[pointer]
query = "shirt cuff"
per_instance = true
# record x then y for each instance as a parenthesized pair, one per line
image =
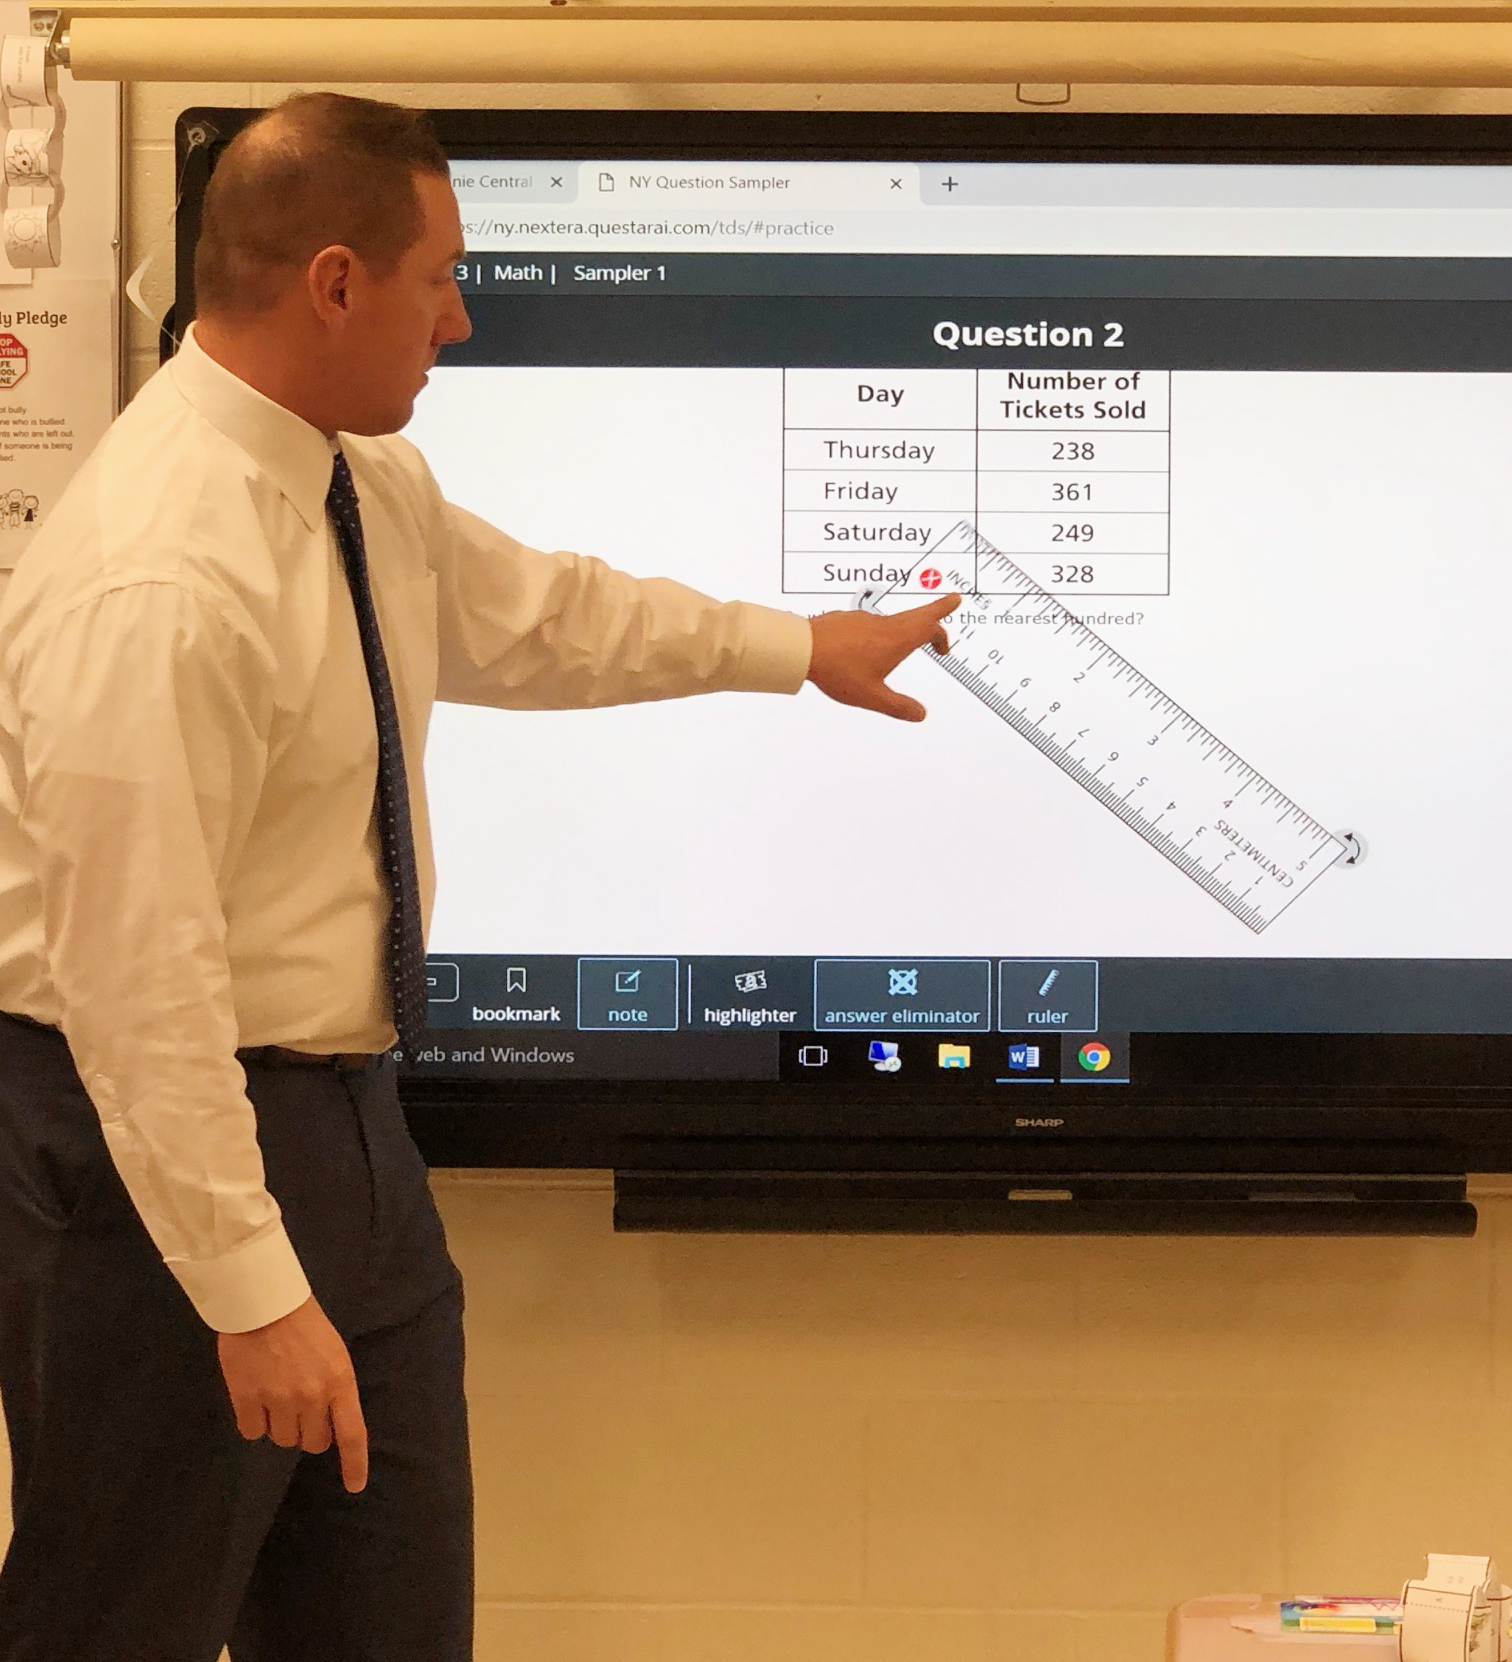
(248, 1287)
(778, 648)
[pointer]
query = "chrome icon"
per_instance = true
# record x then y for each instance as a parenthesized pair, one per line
(1094, 1057)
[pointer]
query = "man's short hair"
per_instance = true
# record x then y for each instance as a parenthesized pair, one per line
(321, 169)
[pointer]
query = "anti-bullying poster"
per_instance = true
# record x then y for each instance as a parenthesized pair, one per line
(59, 355)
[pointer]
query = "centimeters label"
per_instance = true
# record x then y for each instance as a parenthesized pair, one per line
(1124, 741)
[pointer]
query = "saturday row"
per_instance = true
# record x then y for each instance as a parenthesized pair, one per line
(1071, 531)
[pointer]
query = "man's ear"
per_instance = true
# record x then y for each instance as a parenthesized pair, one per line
(329, 281)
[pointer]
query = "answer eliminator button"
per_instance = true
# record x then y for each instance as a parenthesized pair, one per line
(902, 995)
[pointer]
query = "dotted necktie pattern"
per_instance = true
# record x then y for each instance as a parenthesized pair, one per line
(406, 940)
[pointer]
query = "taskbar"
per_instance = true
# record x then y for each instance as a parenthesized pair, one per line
(953, 1065)
(945, 1060)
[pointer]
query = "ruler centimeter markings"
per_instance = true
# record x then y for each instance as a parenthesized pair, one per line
(1112, 730)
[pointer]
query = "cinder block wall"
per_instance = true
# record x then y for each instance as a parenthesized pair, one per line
(875, 1450)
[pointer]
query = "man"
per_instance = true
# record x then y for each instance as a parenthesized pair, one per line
(230, 1331)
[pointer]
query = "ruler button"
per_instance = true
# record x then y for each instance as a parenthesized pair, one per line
(1047, 995)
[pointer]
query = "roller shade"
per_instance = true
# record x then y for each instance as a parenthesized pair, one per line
(1381, 47)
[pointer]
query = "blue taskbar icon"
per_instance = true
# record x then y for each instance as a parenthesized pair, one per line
(1031, 1061)
(883, 1055)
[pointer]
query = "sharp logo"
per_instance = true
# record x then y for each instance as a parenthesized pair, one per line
(1024, 1125)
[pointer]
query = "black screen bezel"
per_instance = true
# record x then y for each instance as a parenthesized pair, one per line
(1190, 1124)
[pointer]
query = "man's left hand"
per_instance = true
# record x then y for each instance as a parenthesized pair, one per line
(855, 652)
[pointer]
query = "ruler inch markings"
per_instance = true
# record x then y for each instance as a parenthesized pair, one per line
(1073, 672)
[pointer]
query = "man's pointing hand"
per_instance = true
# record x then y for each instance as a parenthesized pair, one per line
(855, 652)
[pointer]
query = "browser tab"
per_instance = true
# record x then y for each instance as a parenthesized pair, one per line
(515, 181)
(766, 186)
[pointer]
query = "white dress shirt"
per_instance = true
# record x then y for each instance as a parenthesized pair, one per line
(189, 861)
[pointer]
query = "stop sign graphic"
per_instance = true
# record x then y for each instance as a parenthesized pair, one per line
(929, 578)
(12, 361)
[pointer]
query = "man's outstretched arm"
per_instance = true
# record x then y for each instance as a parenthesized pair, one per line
(523, 629)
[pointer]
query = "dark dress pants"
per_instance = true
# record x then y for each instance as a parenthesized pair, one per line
(146, 1528)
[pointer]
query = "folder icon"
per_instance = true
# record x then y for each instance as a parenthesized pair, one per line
(955, 1056)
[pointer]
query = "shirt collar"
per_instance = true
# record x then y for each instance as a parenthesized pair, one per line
(293, 454)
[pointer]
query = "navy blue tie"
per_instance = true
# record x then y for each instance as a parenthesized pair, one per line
(396, 836)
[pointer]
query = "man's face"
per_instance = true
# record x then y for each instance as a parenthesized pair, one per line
(400, 322)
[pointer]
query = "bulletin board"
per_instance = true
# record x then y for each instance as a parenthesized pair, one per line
(59, 278)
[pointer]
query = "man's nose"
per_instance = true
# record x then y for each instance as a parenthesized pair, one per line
(456, 325)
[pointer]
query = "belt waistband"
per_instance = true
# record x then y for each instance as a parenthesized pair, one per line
(278, 1056)
(268, 1056)
(27, 1021)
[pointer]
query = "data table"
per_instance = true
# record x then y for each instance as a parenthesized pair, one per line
(1066, 471)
